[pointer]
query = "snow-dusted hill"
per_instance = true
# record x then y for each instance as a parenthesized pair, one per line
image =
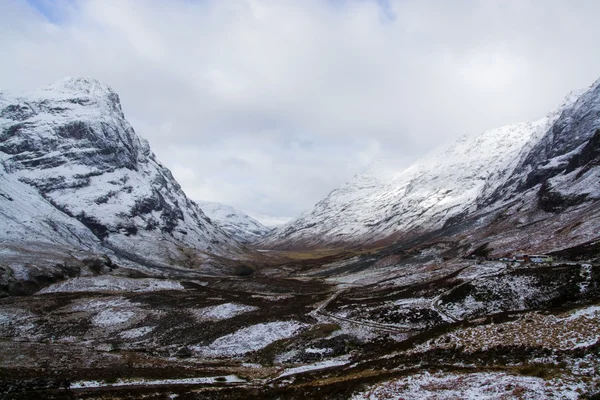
(453, 182)
(238, 224)
(73, 171)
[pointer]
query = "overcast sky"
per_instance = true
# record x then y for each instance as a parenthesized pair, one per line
(269, 105)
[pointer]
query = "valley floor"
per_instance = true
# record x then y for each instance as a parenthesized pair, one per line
(357, 327)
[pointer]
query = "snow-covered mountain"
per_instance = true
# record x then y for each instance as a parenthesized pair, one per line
(475, 173)
(73, 171)
(238, 224)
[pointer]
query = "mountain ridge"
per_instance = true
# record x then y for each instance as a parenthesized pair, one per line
(449, 184)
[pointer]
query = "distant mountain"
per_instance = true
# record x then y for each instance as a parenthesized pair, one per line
(73, 171)
(239, 225)
(555, 156)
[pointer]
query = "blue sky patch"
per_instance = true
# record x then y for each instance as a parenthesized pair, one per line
(50, 9)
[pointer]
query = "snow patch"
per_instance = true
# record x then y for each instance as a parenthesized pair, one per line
(222, 311)
(136, 332)
(112, 284)
(112, 317)
(251, 338)
(334, 362)
(318, 351)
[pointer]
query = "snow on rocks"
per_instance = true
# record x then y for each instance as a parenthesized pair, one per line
(251, 338)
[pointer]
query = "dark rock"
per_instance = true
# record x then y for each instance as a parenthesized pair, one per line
(554, 202)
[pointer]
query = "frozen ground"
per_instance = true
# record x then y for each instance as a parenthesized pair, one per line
(474, 386)
(108, 336)
(112, 284)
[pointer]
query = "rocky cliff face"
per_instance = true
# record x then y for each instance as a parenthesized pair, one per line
(77, 173)
(552, 158)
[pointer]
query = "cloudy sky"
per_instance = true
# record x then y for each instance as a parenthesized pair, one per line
(268, 105)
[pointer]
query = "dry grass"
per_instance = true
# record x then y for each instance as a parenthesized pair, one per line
(310, 254)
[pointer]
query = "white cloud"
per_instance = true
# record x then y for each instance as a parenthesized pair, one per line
(267, 105)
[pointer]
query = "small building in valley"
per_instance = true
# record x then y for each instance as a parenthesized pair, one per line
(537, 258)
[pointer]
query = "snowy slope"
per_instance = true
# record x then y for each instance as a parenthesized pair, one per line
(68, 153)
(449, 184)
(560, 151)
(25, 215)
(239, 225)
(423, 197)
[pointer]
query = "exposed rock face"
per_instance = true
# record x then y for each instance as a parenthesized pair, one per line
(68, 153)
(551, 162)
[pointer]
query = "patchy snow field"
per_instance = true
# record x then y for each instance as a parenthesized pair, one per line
(483, 385)
(109, 283)
(102, 304)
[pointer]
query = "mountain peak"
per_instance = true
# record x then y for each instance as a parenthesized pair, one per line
(82, 85)
(71, 147)
(238, 224)
(75, 94)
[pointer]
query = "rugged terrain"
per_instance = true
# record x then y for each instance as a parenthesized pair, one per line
(113, 284)
(375, 325)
